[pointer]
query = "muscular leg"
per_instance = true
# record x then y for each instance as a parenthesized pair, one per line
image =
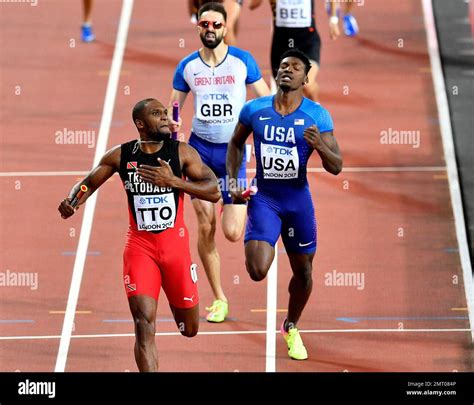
(233, 221)
(300, 286)
(311, 89)
(87, 10)
(143, 310)
(258, 258)
(233, 10)
(207, 247)
(187, 320)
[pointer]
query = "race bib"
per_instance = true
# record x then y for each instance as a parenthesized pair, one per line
(293, 13)
(155, 212)
(279, 162)
(215, 108)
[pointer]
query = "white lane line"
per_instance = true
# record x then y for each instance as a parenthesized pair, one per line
(450, 157)
(242, 332)
(107, 112)
(270, 352)
(380, 169)
(43, 174)
(368, 169)
(390, 169)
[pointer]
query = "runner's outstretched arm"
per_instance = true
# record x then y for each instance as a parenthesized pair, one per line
(107, 166)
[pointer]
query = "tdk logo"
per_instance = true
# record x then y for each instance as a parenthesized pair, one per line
(276, 150)
(216, 97)
(154, 200)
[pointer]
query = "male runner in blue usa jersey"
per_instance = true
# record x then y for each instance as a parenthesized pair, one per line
(286, 128)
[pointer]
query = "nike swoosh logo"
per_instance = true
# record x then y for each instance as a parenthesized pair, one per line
(264, 118)
(195, 74)
(305, 244)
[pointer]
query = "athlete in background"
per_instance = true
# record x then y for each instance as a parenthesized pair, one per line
(87, 34)
(217, 76)
(294, 27)
(232, 7)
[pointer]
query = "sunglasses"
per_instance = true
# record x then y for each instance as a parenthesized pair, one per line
(216, 24)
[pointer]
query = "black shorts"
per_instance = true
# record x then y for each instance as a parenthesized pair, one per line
(304, 39)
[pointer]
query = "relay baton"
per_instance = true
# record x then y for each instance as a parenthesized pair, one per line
(174, 135)
(79, 195)
(252, 190)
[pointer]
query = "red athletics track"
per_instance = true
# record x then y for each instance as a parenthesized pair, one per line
(393, 227)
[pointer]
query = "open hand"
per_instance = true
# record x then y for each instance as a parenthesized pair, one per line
(161, 175)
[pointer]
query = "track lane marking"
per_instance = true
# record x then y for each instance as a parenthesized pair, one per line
(104, 130)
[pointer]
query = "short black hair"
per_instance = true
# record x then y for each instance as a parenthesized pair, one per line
(213, 6)
(296, 53)
(137, 113)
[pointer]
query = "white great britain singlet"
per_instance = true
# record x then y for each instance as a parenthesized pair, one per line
(219, 92)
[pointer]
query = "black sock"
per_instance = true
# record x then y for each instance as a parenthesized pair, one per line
(287, 325)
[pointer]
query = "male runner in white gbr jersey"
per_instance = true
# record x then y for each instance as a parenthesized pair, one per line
(217, 75)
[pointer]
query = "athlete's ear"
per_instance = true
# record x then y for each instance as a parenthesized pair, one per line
(139, 124)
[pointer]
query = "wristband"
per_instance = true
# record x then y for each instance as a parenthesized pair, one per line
(79, 195)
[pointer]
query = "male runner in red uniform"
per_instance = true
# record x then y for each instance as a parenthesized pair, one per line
(156, 253)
